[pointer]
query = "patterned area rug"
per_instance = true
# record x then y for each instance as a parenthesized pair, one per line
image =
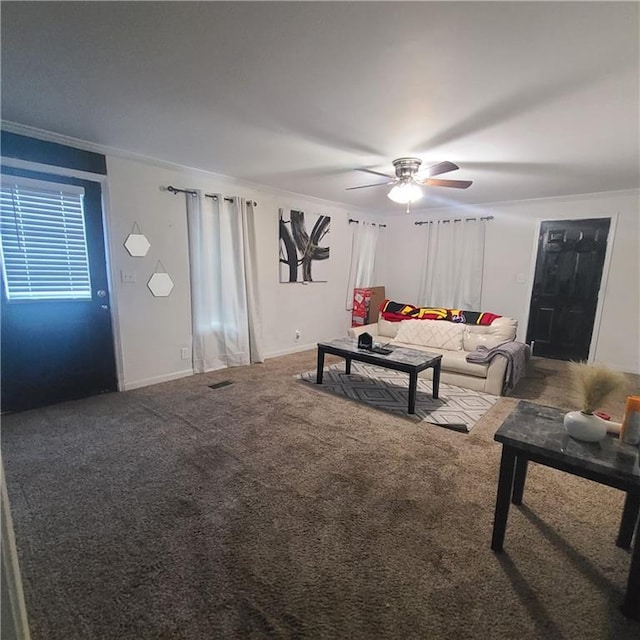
(387, 390)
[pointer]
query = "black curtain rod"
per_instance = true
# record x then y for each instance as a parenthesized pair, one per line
(213, 196)
(454, 220)
(373, 223)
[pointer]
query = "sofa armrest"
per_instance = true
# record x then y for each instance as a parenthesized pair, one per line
(514, 362)
(371, 329)
(495, 375)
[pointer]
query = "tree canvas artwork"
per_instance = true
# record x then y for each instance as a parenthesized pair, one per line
(304, 247)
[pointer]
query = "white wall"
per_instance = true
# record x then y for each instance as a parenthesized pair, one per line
(510, 251)
(152, 331)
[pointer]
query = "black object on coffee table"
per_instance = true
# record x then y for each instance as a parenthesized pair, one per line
(411, 361)
(535, 432)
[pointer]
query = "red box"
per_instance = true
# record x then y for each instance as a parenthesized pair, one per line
(366, 304)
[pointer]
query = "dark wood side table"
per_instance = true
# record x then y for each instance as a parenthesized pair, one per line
(536, 433)
(411, 361)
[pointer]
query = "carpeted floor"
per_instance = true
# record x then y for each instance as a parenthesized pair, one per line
(263, 509)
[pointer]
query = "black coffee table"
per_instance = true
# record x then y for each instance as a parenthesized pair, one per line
(535, 432)
(411, 361)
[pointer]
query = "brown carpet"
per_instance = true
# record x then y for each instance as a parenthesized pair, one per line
(267, 509)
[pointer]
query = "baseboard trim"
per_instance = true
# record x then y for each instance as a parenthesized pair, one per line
(145, 382)
(286, 352)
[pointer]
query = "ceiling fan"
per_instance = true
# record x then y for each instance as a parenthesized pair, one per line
(409, 179)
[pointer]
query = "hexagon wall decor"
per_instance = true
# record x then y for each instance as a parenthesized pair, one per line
(160, 284)
(137, 245)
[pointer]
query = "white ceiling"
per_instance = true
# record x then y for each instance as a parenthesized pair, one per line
(530, 99)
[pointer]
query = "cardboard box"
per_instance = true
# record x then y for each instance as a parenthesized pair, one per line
(378, 296)
(366, 304)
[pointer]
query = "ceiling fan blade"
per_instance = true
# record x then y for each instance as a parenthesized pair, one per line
(441, 167)
(364, 186)
(456, 184)
(377, 173)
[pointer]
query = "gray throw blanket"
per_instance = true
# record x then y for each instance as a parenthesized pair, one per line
(516, 353)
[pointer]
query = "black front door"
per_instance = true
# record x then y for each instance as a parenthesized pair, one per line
(57, 340)
(566, 286)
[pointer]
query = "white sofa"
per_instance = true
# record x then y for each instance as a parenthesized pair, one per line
(453, 341)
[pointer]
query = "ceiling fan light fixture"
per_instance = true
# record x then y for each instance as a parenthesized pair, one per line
(405, 192)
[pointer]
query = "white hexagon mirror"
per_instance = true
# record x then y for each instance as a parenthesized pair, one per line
(160, 284)
(137, 245)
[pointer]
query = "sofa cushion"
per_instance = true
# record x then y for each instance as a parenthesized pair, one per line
(386, 328)
(471, 340)
(452, 361)
(431, 333)
(499, 331)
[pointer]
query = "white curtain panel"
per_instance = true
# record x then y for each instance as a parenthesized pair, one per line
(206, 347)
(220, 319)
(470, 264)
(232, 305)
(246, 211)
(453, 262)
(363, 257)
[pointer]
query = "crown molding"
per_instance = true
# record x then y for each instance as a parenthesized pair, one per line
(51, 136)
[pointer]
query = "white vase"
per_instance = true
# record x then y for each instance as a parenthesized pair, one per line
(585, 426)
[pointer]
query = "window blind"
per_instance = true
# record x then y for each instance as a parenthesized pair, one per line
(44, 246)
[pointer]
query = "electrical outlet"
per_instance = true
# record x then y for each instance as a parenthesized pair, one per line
(127, 277)
(297, 334)
(184, 353)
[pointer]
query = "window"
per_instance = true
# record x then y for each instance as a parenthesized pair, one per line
(44, 246)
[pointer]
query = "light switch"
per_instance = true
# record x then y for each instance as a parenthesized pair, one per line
(521, 278)
(127, 277)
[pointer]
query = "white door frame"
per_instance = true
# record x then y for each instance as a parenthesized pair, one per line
(13, 606)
